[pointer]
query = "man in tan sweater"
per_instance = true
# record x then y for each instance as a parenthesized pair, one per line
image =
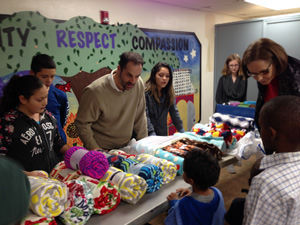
(113, 107)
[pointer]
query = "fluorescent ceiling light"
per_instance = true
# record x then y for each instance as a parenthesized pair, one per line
(276, 4)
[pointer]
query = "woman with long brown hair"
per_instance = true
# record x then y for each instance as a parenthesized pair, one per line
(160, 100)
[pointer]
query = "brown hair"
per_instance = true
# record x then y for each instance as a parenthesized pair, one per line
(268, 50)
(226, 71)
(126, 57)
(168, 90)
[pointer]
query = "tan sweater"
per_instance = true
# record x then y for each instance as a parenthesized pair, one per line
(106, 118)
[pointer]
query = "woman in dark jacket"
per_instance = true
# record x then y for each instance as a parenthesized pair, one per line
(232, 85)
(160, 100)
(276, 73)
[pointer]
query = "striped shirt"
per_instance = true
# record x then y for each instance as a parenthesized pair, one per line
(274, 195)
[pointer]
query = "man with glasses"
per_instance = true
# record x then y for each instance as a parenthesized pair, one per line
(276, 73)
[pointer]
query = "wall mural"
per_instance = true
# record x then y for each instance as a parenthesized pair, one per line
(84, 50)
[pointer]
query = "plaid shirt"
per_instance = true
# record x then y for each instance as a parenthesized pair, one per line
(274, 195)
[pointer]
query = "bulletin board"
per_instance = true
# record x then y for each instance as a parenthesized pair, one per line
(84, 50)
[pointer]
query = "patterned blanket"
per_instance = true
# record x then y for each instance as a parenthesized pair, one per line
(91, 163)
(132, 187)
(152, 174)
(62, 173)
(32, 219)
(80, 203)
(239, 122)
(168, 168)
(106, 195)
(48, 196)
(177, 160)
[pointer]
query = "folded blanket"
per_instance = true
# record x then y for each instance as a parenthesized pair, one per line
(80, 204)
(177, 160)
(32, 219)
(106, 195)
(48, 196)
(239, 122)
(122, 153)
(152, 174)
(168, 168)
(132, 187)
(62, 173)
(183, 146)
(196, 135)
(151, 143)
(90, 163)
(113, 160)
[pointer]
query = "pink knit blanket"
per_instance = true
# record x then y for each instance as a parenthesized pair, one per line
(90, 163)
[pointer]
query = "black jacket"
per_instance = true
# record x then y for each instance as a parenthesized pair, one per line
(229, 91)
(157, 114)
(35, 146)
(288, 81)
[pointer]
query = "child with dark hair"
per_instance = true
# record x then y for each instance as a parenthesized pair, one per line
(274, 193)
(44, 68)
(203, 204)
(28, 133)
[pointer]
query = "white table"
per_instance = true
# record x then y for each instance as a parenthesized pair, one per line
(150, 206)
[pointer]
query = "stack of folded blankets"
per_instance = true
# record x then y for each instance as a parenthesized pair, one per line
(72, 193)
(168, 168)
(150, 173)
(223, 130)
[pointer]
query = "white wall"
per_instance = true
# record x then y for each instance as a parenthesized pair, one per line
(145, 14)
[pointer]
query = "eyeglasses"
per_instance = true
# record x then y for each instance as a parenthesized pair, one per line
(263, 72)
(234, 65)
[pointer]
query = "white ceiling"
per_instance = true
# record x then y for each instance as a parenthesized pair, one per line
(236, 8)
